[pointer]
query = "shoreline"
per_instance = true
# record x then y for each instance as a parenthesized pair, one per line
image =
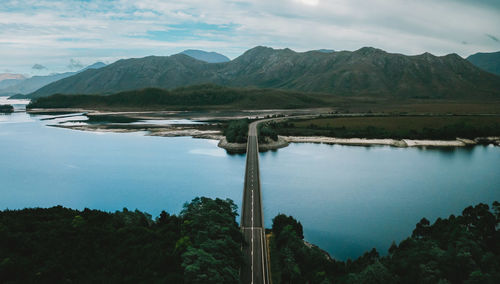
(284, 141)
(216, 134)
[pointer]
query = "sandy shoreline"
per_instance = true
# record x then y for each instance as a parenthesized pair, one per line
(151, 130)
(459, 142)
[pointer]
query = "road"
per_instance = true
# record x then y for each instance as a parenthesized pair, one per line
(256, 269)
(255, 253)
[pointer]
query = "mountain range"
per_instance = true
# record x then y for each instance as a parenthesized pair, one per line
(9, 79)
(28, 85)
(487, 61)
(364, 72)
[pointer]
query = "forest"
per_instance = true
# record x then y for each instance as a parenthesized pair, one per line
(60, 245)
(236, 131)
(6, 109)
(196, 97)
(433, 127)
(203, 245)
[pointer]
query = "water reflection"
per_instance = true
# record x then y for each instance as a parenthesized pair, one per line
(368, 197)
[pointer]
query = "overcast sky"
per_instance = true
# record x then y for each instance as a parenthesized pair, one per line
(45, 36)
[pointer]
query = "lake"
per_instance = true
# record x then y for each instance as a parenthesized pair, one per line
(348, 198)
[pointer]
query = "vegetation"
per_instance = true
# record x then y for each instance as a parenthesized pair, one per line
(203, 245)
(459, 249)
(237, 131)
(267, 131)
(194, 97)
(294, 262)
(6, 109)
(397, 127)
(55, 245)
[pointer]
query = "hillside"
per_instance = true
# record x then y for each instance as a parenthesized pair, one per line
(209, 57)
(365, 72)
(487, 61)
(34, 83)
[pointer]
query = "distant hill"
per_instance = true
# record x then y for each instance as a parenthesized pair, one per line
(9, 83)
(34, 83)
(209, 57)
(326, 50)
(364, 72)
(487, 61)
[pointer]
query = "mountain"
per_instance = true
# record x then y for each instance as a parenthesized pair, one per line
(10, 76)
(36, 82)
(209, 57)
(364, 72)
(487, 61)
(9, 83)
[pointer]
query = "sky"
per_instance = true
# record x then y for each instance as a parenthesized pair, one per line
(39, 37)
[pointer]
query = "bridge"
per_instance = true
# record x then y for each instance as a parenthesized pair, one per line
(255, 253)
(256, 269)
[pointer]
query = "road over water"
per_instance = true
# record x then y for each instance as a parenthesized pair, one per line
(256, 269)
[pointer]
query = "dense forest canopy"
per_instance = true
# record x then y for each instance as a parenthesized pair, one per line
(204, 96)
(458, 249)
(236, 131)
(6, 108)
(56, 245)
(203, 245)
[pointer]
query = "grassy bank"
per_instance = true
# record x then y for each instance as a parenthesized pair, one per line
(397, 127)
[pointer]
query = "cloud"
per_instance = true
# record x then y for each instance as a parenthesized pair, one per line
(494, 38)
(74, 64)
(38, 67)
(93, 30)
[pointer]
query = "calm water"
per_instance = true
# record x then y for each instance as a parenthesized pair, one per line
(349, 199)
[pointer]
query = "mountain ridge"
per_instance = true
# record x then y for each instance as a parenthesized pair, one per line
(366, 71)
(29, 85)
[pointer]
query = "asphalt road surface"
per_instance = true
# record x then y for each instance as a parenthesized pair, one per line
(256, 269)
